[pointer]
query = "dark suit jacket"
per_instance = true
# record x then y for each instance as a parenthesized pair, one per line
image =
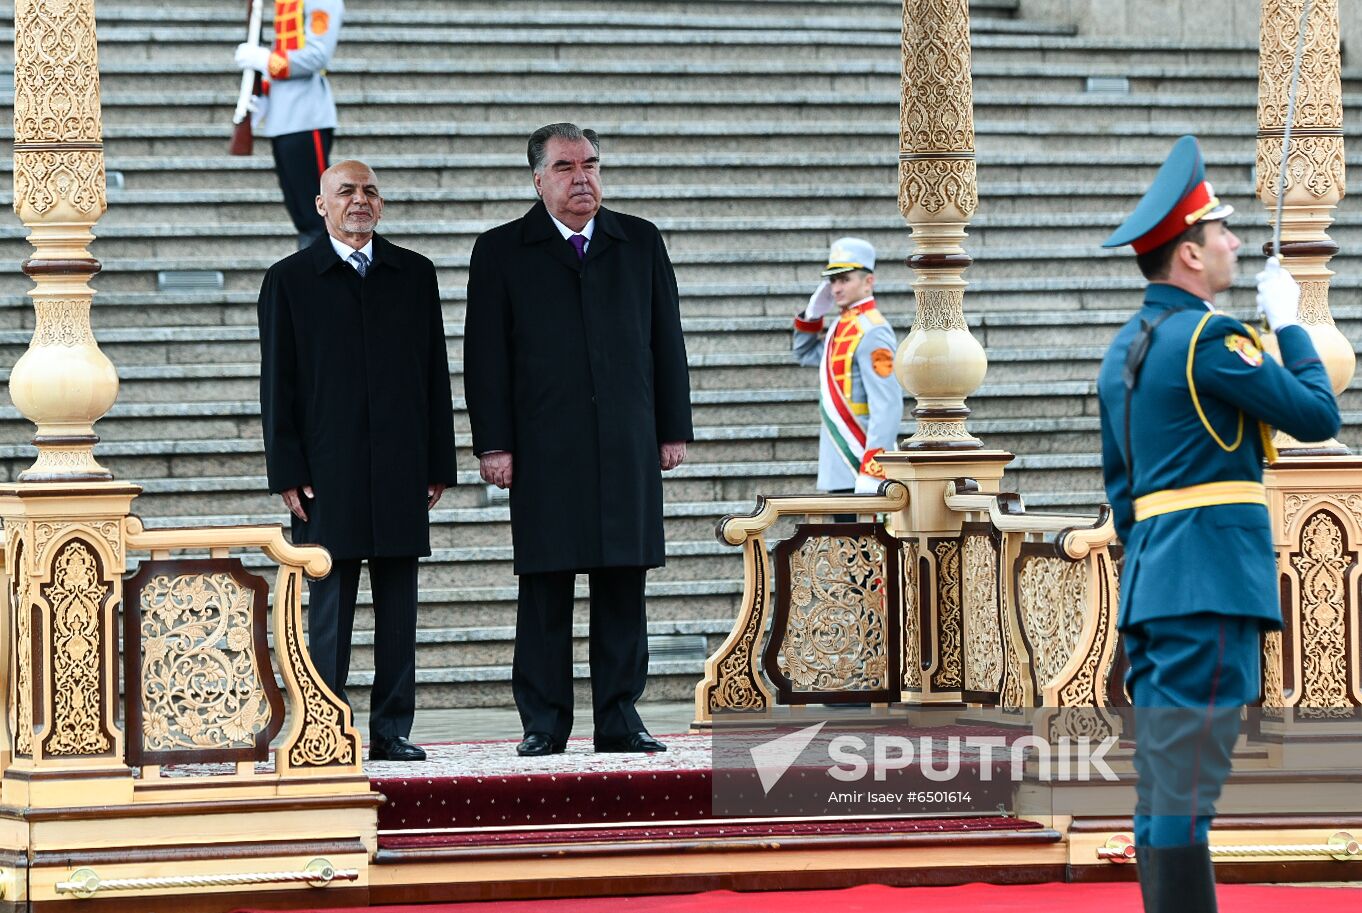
(354, 396)
(578, 369)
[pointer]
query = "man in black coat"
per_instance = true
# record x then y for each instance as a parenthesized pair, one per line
(578, 394)
(359, 433)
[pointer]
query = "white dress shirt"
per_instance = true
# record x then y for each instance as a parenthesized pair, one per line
(344, 251)
(586, 231)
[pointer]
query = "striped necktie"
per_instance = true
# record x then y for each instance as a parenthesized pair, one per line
(361, 263)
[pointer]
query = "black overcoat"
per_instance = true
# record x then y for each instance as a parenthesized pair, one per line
(578, 369)
(355, 398)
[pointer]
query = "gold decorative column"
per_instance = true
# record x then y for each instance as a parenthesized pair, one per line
(63, 383)
(940, 363)
(1312, 671)
(1314, 173)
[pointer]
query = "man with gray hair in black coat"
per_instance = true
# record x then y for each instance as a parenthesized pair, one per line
(359, 433)
(578, 396)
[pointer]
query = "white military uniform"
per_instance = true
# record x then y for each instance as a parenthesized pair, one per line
(860, 401)
(298, 93)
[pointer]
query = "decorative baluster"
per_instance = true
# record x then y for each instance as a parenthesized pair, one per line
(1314, 174)
(940, 362)
(1311, 671)
(63, 383)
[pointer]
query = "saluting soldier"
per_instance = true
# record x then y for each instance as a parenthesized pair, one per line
(296, 110)
(1188, 401)
(860, 401)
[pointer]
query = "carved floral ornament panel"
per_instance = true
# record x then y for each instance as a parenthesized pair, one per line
(56, 72)
(912, 627)
(45, 182)
(736, 686)
(1325, 571)
(1319, 99)
(1054, 595)
(837, 634)
(939, 186)
(200, 688)
(937, 114)
(1316, 166)
(983, 632)
(76, 596)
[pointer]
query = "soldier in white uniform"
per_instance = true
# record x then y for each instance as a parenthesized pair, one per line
(297, 111)
(860, 401)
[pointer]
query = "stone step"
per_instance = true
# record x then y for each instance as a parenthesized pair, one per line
(770, 352)
(450, 526)
(508, 169)
(360, 20)
(490, 686)
(361, 106)
(559, 35)
(472, 648)
(748, 135)
(693, 237)
(1002, 268)
(196, 10)
(607, 75)
(751, 199)
(994, 38)
(778, 301)
(1074, 295)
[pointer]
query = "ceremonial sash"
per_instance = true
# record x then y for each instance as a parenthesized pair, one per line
(840, 416)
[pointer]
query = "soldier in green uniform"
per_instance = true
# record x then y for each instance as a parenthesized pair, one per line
(1188, 401)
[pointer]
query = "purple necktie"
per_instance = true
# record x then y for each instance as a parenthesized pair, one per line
(579, 244)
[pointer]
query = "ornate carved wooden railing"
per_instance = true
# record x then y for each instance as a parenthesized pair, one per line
(851, 658)
(199, 678)
(843, 613)
(1040, 610)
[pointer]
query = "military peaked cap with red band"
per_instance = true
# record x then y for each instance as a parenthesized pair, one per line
(1179, 198)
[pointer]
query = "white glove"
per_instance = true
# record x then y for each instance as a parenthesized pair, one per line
(252, 57)
(1279, 296)
(867, 485)
(820, 302)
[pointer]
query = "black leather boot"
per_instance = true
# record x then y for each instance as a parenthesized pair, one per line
(1146, 867)
(1183, 880)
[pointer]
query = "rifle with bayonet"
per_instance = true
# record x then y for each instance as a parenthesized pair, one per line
(242, 141)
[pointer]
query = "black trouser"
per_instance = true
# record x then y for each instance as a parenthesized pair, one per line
(299, 160)
(541, 677)
(331, 618)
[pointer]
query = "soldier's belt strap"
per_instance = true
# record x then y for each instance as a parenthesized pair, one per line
(1210, 494)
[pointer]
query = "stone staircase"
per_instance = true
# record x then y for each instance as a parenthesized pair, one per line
(753, 133)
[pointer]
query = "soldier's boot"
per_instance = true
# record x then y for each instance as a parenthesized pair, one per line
(1146, 867)
(1182, 880)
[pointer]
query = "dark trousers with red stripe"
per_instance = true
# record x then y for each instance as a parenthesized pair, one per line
(1189, 679)
(299, 160)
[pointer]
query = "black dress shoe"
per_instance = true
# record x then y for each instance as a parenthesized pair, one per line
(633, 742)
(397, 748)
(537, 744)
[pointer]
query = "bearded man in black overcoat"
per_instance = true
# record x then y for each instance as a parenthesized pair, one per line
(578, 396)
(359, 433)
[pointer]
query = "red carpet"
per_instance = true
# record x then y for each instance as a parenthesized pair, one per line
(484, 784)
(974, 898)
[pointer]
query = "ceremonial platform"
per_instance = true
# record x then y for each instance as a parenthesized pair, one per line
(166, 744)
